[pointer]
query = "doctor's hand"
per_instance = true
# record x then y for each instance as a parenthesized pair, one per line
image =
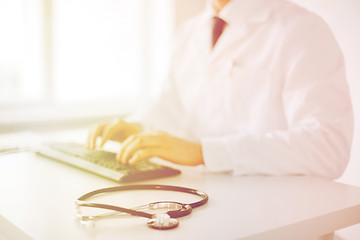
(159, 144)
(116, 130)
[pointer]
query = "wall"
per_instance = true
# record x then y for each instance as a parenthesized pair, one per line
(187, 8)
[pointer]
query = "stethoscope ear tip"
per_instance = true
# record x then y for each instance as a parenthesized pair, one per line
(162, 221)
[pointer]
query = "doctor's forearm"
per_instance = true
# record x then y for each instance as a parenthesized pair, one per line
(295, 152)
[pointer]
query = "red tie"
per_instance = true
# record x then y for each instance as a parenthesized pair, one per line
(218, 29)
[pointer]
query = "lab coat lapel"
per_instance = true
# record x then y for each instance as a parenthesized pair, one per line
(203, 43)
(229, 40)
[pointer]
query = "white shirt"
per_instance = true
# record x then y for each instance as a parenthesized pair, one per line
(270, 98)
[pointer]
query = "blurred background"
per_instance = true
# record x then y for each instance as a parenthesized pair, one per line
(67, 63)
(70, 63)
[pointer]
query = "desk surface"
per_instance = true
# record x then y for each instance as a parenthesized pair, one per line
(39, 200)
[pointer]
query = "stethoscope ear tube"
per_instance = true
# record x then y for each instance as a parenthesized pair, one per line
(185, 210)
(114, 208)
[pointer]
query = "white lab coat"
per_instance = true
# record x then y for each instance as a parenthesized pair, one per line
(270, 98)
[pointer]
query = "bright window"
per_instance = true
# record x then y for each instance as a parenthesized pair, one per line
(98, 51)
(21, 67)
(81, 52)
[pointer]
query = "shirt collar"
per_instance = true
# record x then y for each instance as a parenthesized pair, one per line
(243, 11)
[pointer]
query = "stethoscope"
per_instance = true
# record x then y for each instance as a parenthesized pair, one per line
(164, 213)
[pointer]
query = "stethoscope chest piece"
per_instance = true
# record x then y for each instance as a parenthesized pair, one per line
(162, 221)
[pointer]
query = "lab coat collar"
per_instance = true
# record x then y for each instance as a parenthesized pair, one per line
(243, 11)
(236, 13)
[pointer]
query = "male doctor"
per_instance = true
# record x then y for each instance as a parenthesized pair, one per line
(256, 87)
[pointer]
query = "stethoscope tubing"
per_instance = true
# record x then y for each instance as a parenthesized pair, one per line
(175, 214)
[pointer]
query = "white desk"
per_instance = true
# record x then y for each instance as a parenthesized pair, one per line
(38, 194)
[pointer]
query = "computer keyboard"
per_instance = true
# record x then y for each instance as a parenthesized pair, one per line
(104, 164)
